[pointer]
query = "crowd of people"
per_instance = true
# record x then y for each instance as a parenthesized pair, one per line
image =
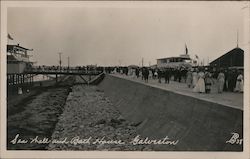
(199, 79)
(76, 69)
(225, 79)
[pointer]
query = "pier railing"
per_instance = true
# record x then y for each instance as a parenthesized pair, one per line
(27, 77)
(63, 70)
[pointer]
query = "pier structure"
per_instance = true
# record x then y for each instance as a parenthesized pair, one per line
(22, 73)
(85, 75)
(19, 78)
(27, 76)
(17, 62)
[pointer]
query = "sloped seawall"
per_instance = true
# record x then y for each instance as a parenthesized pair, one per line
(198, 125)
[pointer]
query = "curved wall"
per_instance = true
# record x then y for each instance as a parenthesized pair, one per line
(197, 124)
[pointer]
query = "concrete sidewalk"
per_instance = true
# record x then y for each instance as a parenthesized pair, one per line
(230, 99)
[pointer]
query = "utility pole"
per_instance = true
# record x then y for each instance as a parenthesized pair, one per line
(119, 61)
(142, 62)
(60, 61)
(237, 39)
(68, 62)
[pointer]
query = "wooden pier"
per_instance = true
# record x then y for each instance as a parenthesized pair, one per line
(21, 78)
(27, 77)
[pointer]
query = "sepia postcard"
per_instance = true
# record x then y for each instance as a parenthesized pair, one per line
(125, 79)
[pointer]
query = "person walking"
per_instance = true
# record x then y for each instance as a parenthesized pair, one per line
(184, 74)
(137, 72)
(167, 75)
(159, 72)
(230, 79)
(239, 83)
(179, 75)
(150, 76)
(155, 74)
(146, 74)
(221, 81)
(225, 89)
(142, 73)
(208, 82)
(194, 78)
(189, 78)
(200, 85)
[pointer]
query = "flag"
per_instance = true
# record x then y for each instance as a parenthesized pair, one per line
(9, 37)
(186, 49)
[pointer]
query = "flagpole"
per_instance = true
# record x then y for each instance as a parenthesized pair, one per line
(186, 49)
(237, 39)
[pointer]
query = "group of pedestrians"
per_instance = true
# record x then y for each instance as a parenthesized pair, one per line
(201, 80)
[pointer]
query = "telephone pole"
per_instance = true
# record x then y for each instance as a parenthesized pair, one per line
(237, 39)
(60, 61)
(68, 62)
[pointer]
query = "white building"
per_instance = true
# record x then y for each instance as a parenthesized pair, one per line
(175, 62)
(17, 59)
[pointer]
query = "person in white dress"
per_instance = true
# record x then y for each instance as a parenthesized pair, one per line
(200, 85)
(239, 83)
(150, 74)
(194, 78)
(221, 81)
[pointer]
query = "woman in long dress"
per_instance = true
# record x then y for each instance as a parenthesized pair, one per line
(221, 81)
(208, 82)
(189, 79)
(195, 78)
(239, 83)
(200, 86)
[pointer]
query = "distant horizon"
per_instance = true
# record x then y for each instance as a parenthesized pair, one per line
(115, 35)
(125, 65)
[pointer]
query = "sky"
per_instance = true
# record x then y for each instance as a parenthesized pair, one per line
(126, 34)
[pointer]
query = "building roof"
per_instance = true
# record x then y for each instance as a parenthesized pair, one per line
(234, 57)
(17, 46)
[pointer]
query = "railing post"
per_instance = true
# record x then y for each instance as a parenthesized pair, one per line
(13, 79)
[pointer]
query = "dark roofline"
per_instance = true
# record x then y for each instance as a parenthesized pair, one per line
(237, 48)
(20, 47)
